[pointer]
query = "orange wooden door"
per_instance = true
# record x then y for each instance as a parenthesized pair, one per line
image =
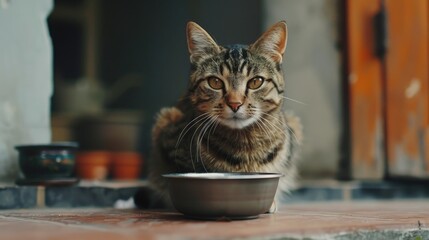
(365, 89)
(407, 88)
(388, 96)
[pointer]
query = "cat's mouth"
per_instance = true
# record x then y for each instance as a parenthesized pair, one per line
(238, 116)
(237, 121)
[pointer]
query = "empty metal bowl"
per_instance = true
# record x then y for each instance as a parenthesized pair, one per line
(222, 195)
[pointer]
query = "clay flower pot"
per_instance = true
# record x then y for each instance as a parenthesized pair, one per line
(93, 165)
(126, 165)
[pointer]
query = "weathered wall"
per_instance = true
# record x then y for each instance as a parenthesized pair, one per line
(25, 78)
(312, 71)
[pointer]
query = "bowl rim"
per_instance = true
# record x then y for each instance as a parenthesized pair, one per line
(54, 145)
(223, 175)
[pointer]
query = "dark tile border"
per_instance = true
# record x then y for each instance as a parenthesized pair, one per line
(18, 197)
(390, 190)
(86, 196)
(106, 195)
(313, 194)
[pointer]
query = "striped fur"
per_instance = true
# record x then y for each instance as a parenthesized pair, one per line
(238, 127)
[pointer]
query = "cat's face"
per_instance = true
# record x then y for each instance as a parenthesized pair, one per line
(237, 85)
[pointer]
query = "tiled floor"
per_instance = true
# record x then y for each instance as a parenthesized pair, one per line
(336, 220)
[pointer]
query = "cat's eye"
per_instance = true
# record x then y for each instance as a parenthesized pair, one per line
(255, 83)
(215, 83)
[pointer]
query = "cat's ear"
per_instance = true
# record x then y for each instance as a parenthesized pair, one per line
(273, 42)
(200, 43)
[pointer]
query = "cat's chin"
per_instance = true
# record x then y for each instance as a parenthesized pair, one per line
(235, 123)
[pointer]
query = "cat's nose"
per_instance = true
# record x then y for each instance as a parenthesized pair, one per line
(234, 105)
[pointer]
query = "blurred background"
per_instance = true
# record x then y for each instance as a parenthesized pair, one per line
(97, 72)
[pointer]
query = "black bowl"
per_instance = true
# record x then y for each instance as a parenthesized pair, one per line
(47, 161)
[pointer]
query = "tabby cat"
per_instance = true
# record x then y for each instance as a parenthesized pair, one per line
(231, 118)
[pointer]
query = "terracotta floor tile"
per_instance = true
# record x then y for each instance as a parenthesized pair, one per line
(296, 220)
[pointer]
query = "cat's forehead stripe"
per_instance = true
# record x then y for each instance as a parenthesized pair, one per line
(225, 70)
(235, 57)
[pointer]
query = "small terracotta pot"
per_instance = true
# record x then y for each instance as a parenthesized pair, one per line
(93, 165)
(126, 165)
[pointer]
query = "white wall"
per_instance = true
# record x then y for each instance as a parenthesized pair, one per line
(312, 71)
(25, 79)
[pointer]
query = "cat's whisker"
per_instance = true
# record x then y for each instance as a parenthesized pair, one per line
(212, 125)
(278, 128)
(189, 126)
(262, 126)
(274, 127)
(200, 140)
(201, 121)
(212, 130)
(197, 147)
(277, 120)
(190, 149)
(199, 130)
(206, 119)
(293, 100)
(287, 126)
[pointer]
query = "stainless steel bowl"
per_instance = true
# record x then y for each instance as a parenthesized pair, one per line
(222, 195)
